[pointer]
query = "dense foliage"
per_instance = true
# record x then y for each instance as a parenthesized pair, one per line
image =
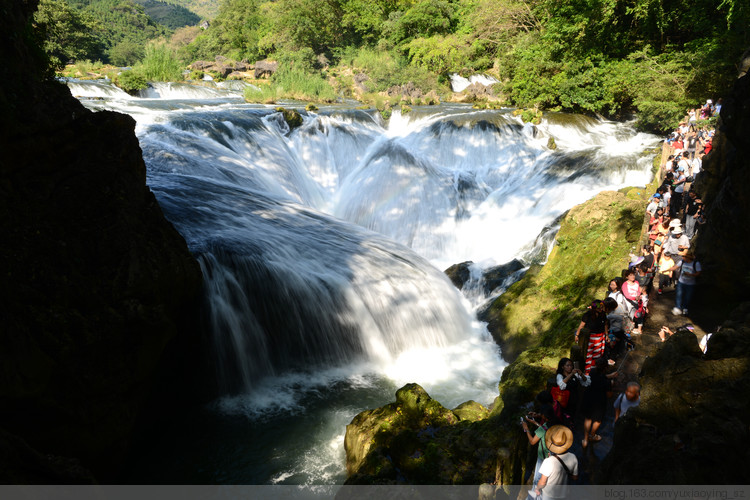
(605, 57)
(608, 57)
(167, 14)
(67, 34)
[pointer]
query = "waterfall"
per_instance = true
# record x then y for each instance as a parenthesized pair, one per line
(322, 250)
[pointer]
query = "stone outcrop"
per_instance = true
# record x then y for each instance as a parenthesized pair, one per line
(694, 413)
(222, 67)
(547, 301)
(360, 85)
(723, 185)
(492, 278)
(459, 274)
(98, 288)
(418, 441)
(265, 68)
(407, 90)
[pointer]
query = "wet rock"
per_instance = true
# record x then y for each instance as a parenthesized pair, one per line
(291, 116)
(495, 276)
(459, 274)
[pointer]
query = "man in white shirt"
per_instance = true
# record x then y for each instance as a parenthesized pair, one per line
(655, 200)
(683, 165)
(696, 165)
(559, 467)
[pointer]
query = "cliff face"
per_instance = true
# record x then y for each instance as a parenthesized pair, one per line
(723, 242)
(97, 284)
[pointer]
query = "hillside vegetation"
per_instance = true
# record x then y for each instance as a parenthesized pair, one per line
(591, 56)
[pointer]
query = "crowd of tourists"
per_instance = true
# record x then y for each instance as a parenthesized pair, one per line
(579, 395)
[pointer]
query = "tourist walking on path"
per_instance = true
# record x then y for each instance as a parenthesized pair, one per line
(594, 403)
(595, 322)
(690, 269)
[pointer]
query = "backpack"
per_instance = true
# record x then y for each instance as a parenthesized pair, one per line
(640, 310)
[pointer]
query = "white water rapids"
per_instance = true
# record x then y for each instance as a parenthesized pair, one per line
(322, 250)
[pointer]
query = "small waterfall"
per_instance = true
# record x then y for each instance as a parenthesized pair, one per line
(95, 89)
(178, 90)
(459, 83)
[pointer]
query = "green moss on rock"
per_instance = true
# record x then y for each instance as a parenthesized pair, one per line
(544, 307)
(291, 117)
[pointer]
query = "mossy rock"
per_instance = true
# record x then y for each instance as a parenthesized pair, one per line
(544, 307)
(291, 117)
(529, 115)
(471, 411)
(405, 110)
(311, 107)
(551, 144)
(386, 114)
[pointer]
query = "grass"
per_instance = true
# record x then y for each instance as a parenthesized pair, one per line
(292, 85)
(160, 64)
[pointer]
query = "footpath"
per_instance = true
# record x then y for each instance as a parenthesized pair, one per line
(660, 314)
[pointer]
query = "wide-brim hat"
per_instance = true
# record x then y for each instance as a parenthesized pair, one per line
(677, 230)
(558, 439)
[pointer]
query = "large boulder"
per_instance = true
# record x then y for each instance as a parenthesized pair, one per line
(723, 187)
(459, 274)
(418, 441)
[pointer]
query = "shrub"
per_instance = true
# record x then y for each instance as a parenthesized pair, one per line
(130, 81)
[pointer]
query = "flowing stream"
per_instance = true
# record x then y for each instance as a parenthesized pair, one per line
(323, 249)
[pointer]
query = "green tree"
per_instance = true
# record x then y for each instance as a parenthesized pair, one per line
(126, 53)
(316, 24)
(425, 18)
(67, 33)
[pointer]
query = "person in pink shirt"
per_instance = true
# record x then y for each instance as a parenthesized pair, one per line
(631, 289)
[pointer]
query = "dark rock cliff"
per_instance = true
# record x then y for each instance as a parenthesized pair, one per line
(724, 186)
(97, 284)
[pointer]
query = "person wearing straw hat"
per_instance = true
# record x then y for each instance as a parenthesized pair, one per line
(559, 467)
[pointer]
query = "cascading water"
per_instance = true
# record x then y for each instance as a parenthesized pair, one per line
(322, 250)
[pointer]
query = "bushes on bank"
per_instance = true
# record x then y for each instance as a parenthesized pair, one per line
(130, 81)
